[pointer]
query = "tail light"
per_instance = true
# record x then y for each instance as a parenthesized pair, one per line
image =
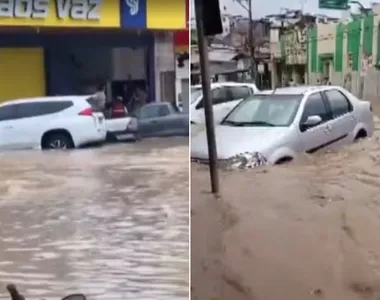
(86, 112)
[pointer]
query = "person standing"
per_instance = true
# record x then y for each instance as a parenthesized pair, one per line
(101, 96)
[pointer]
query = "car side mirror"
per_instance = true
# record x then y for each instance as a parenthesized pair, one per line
(310, 122)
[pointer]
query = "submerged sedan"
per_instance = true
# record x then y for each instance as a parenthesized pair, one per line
(273, 126)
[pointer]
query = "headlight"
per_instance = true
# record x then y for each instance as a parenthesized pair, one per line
(247, 160)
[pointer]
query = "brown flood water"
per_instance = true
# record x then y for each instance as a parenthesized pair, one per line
(306, 230)
(110, 222)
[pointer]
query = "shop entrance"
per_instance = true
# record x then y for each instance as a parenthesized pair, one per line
(77, 63)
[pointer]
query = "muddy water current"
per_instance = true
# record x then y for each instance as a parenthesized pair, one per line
(304, 230)
(110, 222)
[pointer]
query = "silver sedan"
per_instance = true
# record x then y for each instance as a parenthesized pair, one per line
(273, 126)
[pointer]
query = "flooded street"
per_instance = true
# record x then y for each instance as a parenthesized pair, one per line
(109, 222)
(306, 230)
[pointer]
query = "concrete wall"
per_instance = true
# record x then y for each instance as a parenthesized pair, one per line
(182, 76)
(326, 45)
(326, 38)
(164, 65)
(275, 45)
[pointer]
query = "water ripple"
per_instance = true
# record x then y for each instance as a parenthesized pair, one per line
(109, 222)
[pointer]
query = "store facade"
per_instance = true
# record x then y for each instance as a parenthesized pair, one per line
(163, 19)
(182, 70)
(67, 47)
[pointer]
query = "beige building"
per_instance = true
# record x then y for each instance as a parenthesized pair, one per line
(344, 53)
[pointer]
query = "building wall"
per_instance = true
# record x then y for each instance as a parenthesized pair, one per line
(164, 66)
(275, 45)
(353, 48)
(182, 78)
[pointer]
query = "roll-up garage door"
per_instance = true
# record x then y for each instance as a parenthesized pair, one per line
(22, 73)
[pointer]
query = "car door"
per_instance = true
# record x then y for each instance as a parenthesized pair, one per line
(7, 122)
(175, 122)
(33, 119)
(166, 125)
(317, 137)
(343, 120)
(31, 122)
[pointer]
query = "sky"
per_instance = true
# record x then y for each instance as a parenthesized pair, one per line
(260, 8)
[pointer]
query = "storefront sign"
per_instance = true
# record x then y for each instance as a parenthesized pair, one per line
(60, 13)
(333, 4)
(153, 14)
(133, 13)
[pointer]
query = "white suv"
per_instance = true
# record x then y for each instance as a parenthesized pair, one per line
(60, 122)
(224, 96)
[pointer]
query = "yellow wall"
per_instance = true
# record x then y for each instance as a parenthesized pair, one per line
(22, 73)
(163, 14)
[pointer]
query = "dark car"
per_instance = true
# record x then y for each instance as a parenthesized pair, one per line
(161, 119)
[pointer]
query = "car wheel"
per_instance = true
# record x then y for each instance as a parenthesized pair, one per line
(362, 134)
(284, 160)
(57, 141)
(111, 138)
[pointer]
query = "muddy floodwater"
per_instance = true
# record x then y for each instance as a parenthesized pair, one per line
(110, 222)
(305, 230)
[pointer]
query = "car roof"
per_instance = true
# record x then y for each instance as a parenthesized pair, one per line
(299, 90)
(156, 103)
(49, 98)
(227, 83)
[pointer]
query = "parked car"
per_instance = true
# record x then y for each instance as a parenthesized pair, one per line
(161, 119)
(272, 126)
(225, 96)
(60, 122)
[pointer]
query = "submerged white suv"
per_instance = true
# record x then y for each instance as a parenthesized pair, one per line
(59, 122)
(224, 95)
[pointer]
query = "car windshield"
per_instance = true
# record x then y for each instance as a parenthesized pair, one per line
(196, 92)
(265, 110)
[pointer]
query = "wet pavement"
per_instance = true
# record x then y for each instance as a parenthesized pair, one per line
(305, 230)
(110, 222)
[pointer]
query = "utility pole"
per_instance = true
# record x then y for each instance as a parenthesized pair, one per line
(251, 42)
(205, 75)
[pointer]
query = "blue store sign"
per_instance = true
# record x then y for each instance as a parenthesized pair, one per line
(133, 13)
